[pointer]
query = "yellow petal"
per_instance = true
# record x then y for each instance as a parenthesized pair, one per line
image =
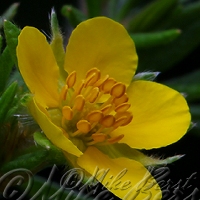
(125, 178)
(160, 116)
(38, 66)
(102, 43)
(53, 132)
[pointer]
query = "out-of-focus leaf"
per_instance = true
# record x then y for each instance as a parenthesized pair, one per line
(6, 100)
(93, 8)
(173, 52)
(6, 64)
(74, 15)
(188, 84)
(0, 43)
(127, 6)
(29, 161)
(181, 17)
(9, 13)
(113, 8)
(195, 111)
(146, 40)
(151, 15)
(11, 32)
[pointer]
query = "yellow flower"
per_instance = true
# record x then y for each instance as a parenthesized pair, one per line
(99, 106)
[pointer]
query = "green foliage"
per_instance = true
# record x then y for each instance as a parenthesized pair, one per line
(6, 101)
(73, 14)
(6, 64)
(9, 13)
(151, 15)
(147, 40)
(11, 32)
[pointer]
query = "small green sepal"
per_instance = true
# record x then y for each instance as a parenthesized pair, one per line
(147, 76)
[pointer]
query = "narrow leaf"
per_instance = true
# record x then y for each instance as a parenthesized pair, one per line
(146, 40)
(6, 64)
(6, 100)
(9, 13)
(188, 84)
(11, 32)
(151, 15)
(93, 8)
(29, 161)
(0, 43)
(74, 15)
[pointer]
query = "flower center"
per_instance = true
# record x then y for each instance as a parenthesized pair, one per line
(94, 107)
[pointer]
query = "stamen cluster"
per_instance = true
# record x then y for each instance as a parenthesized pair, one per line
(94, 107)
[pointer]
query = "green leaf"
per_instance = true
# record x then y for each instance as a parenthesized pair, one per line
(148, 76)
(31, 161)
(9, 13)
(11, 32)
(93, 8)
(151, 15)
(181, 17)
(55, 154)
(57, 44)
(127, 6)
(162, 58)
(6, 64)
(74, 15)
(6, 101)
(146, 40)
(0, 43)
(187, 84)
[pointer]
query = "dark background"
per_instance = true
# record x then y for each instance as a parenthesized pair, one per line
(36, 13)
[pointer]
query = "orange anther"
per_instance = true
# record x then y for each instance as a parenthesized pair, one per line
(101, 81)
(79, 103)
(63, 93)
(92, 76)
(118, 90)
(120, 121)
(106, 109)
(108, 84)
(79, 88)
(67, 112)
(95, 116)
(84, 126)
(122, 107)
(115, 139)
(122, 99)
(127, 114)
(108, 121)
(93, 95)
(71, 79)
(99, 137)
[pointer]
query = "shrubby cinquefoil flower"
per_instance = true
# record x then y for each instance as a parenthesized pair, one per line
(98, 112)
